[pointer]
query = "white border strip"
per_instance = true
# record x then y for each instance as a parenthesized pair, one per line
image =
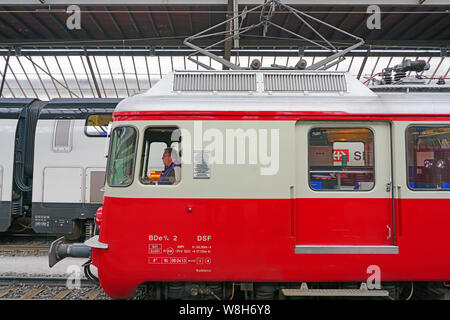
(345, 249)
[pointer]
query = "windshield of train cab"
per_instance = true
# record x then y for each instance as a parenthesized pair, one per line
(122, 156)
(161, 156)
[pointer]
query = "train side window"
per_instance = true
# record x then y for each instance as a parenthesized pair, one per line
(62, 135)
(161, 156)
(428, 157)
(341, 159)
(122, 156)
(97, 125)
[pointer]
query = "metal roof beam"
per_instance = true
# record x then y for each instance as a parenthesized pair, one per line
(426, 33)
(124, 76)
(152, 21)
(219, 2)
(62, 26)
(99, 27)
(171, 24)
(75, 75)
(9, 88)
(284, 23)
(112, 77)
(363, 64)
(23, 23)
(244, 43)
(99, 76)
(17, 80)
(148, 71)
(42, 82)
(87, 77)
(191, 23)
(134, 23)
(27, 76)
(7, 25)
(111, 16)
(4, 72)
(92, 73)
(399, 26)
(252, 52)
(43, 25)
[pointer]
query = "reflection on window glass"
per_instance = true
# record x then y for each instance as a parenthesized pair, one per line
(428, 157)
(97, 125)
(122, 155)
(341, 159)
(161, 156)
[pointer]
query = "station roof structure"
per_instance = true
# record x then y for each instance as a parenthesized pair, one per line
(124, 47)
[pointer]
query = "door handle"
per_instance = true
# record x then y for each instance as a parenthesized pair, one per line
(388, 187)
(390, 232)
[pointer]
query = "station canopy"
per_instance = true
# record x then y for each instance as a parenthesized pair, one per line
(125, 47)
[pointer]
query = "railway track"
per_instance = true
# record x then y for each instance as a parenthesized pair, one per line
(27, 250)
(29, 245)
(41, 288)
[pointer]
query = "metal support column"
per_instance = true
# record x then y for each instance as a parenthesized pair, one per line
(229, 41)
(363, 64)
(4, 72)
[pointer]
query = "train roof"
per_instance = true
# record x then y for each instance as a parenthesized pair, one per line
(77, 108)
(11, 108)
(286, 90)
(68, 102)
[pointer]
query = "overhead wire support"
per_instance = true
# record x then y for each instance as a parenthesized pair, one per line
(230, 25)
(5, 71)
(50, 75)
(267, 11)
(92, 73)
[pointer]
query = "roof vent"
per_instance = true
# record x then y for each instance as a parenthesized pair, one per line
(214, 81)
(315, 82)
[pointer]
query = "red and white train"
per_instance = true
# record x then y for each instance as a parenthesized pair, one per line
(274, 179)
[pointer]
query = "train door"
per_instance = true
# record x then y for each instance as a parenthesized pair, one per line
(344, 199)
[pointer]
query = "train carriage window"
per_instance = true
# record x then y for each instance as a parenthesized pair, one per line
(341, 159)
(160, 158)
(122, 156)
(97, 125)
(428, 157)
(62, 135)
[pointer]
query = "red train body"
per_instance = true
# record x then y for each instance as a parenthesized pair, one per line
(319, 218)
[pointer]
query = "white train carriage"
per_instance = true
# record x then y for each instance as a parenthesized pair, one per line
(10, 112)
(69, 164)
(53, 165)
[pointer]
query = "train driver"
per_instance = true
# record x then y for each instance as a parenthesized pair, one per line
(170, 175)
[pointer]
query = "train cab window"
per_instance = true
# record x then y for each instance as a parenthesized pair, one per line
(97, 125)
(428, 157)
(341, 159)
(122, 156)
(161, 156)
